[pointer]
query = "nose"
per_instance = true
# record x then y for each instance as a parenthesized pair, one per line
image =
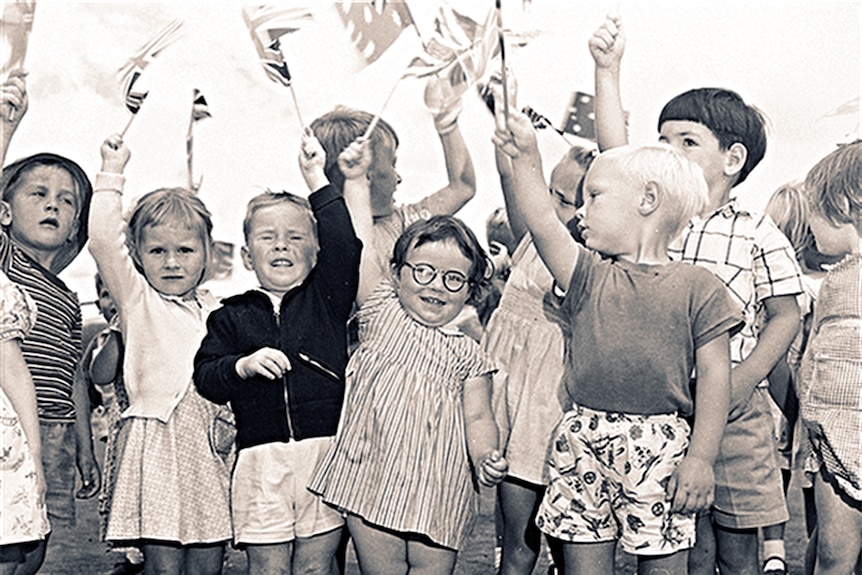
(51, 203)
(397, 178)
(171, 261)
(581, 212)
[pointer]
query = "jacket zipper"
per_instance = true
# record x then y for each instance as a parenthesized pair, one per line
(284, 380)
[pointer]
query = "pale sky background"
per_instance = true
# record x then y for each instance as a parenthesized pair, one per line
(796, 61)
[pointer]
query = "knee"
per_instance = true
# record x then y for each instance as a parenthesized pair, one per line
(322, 564)
(834, 555)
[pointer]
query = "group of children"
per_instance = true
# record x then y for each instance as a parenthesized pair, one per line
(619, 394)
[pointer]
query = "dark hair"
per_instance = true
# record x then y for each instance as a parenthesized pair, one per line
(727, 116)
(12, 175)
(834, 186)
(339, 128)
(497, 229)
(442, 228)
(170, 205)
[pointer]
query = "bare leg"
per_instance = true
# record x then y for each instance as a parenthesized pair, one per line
(839, 529)
(521, 538)
(428, 559)
(673, 564)
(589, 558)
(379, 552)
(736, 550)
(33, 559)
(270, 559)
(316, 555)
(204, 559)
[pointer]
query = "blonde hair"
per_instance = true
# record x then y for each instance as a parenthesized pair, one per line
(788, 208)
(834, 186)
(175, 206)
(682, 181)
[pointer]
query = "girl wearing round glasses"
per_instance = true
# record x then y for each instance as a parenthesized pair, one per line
(417, 425)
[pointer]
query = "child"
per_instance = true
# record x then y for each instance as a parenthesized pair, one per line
(418, 419)
(171, 490)
(277, 354)
(101, 370)
(526, 338)
(831, 372)
(23, 518)
(43, 214)
(726, 137)
(338, 128)
(623, 465)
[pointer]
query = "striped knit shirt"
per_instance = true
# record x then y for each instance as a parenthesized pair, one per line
(400, 457)
(53, 346)
(750, 255)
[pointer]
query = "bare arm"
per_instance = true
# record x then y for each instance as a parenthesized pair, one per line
(13, 106)
(530, 197)
(462, 177)
(504, 168)
(782, 323)
(18, 387)
(607, 45)
(354, 162)
(85, 458)
(482, 433)
(692, 484)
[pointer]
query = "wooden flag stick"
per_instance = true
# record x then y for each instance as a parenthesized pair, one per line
(296, 106)
(126, 129)
(376, 119)
(503, 62)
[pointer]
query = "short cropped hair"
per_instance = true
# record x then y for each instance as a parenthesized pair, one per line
(681, 180)
(83, 188)
(583, 157)
(172, 206)
(339, 128)
(441, 228)
(834, 186)
(269, 199)
(727, 116)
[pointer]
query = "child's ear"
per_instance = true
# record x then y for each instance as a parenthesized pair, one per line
(734, 159)
(650, 198)
(246, 258)
(5, 213)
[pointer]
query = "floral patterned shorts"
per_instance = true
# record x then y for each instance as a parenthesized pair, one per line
(608, 474)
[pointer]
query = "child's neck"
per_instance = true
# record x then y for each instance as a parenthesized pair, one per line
(42, 257)
(718, 196)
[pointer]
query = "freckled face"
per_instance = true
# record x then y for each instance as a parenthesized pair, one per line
(281, 247)
(433, 304)
(173, 258)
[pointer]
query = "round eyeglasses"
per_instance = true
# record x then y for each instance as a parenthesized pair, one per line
(424, 274)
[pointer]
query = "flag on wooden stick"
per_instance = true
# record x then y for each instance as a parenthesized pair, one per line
(374, 26)
(200, 110)
(131, 71)
(15, 26)
(580, 118)
(267, 24)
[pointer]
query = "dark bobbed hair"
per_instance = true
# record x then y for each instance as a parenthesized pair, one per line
(834, 186)
(177, 206)
(84, 189)
(337, 129)
(443, 228)
(727, 116)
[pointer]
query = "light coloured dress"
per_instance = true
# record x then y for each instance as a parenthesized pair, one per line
(400, 459)
(526, 338)
(831, 377)
(171, 483)
(23, 517)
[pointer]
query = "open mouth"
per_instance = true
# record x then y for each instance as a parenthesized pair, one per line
(281, 263)
(50, 222)
(431, 300)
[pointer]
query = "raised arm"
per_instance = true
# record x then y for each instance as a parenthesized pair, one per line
(446, 108)
(13, 106)
(607, 45)
(353, 162)
(530, 196)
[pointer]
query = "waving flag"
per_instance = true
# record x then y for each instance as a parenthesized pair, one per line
(200, 110)
(15, 26)
(267, 24)
(374, 26)
(131, 71)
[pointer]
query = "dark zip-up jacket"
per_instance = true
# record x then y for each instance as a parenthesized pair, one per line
(311, 329)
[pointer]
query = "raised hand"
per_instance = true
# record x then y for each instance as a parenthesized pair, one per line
(355, 159)
(608, 43)
(312, 161)
(115, 154)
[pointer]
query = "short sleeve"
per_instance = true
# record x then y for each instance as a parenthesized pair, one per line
(714, 310)
(17, 310)
(776, 271)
